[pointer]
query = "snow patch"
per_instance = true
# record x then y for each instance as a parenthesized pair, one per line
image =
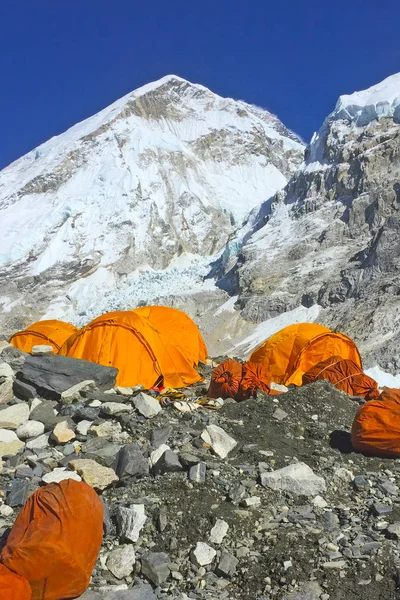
(382, 378)
(228, 306)
(266, 329)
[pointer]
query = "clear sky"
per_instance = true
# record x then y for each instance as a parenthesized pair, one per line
(63, 60)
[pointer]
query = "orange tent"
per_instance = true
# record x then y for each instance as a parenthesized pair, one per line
(50, 333)
(141, 354)
(179, 328)
(288, 354)
(376, 427)
(55, 541)
(345, 375)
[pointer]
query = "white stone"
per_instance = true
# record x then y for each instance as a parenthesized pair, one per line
(73, 393)
(338, 564)
(42, 441)
(34, 403)
(123, 391)
(297, 478)
(30, 429)
(219, 440)
(94, 474)
(278, 387)
(252, 501)
(59, 474)
(9, 443)
(112, 589)
(13, 416)
(83, 427)
(115, 408)
(344, 474)
(219, 531)
(203, 554)
(131, 521)
(121, 561)
(42, 350)
(107, 429)
(6, 370)
(319, 502)
(6, 391)
(157, 453)
(6, 511)
(279, 414)
(95, 403)
(147, 405)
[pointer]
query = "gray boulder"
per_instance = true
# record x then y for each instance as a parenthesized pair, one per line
(130, 462)
(53, 375)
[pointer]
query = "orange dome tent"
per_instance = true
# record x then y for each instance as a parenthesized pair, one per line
(51, 333)
(142, 355)
(288, 354)
(179, 328)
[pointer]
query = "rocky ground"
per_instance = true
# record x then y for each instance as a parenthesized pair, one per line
(258, 500)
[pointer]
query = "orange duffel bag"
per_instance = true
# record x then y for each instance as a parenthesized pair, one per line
(225, 380)
(376, 427)
(56, 539)
(254, 378)
(13, 586)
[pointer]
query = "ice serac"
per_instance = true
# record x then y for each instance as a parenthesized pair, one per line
(130, 204)
(329, 241)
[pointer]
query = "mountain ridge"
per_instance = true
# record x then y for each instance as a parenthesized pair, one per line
(169, 171)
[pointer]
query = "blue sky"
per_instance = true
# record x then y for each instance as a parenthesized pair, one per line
(61, 61)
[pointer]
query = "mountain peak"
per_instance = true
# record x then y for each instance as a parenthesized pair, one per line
(379, 100)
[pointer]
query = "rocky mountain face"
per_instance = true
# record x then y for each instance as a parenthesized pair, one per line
(330, 239)
(130, 204)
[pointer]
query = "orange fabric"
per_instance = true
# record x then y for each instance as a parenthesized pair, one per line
(345, 375)
(177, 326)
(55, 540)
(376, 427)
(392, 394)
(142, 355)
(288, 354)
(254, 378)
(52, 333)
(225, 380)
(13, 586)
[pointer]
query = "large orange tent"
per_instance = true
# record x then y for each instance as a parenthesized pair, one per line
(127, 341)
(179, 328)
(288, 354)
(51, 333)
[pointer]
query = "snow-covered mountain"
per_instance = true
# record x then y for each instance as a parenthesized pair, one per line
(176, 195)
(132, 203)
(329, 242)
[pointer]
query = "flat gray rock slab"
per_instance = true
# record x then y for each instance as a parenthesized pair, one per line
(53, 375)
